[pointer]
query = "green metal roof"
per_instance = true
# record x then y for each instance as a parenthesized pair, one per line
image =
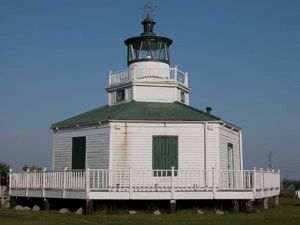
(139, 111)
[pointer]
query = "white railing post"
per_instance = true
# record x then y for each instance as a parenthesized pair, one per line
(242, 179)
(268, 178)
(110, 78)
(254, 182)
(87, 183)
(27, 182)
(214, 181)
(44, 182)
(175, 73)
(186, 82)
(172, 182)
(130, 182)
(278, 179)
(64, 182)
(262, 175)
(34, 179)
(10, 180)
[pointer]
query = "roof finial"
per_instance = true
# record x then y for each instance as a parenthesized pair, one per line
(149, 10)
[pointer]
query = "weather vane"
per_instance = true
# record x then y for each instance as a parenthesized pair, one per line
(149, 10)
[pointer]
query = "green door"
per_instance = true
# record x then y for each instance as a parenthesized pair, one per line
(78, 153)
(164, 152)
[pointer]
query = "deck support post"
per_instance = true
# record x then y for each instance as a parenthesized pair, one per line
(46, 205)
(13, 201)
(266, 203)
(236, 206)
(173, 206)
(249, 206)
(276, 200)
(88, 207)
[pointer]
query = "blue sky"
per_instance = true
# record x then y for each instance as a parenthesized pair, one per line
(242, 58)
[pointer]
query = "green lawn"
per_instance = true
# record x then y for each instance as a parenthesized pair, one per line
(287, 213)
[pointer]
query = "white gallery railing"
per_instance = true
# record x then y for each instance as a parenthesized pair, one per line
(146, 180)
(154, 74)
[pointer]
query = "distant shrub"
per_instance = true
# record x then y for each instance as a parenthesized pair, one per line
(287, 193)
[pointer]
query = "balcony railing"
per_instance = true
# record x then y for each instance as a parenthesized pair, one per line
(132, 180)
(172, 75)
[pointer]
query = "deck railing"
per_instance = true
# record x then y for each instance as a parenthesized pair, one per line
(132, 180)
(156, 74)
(75, 179)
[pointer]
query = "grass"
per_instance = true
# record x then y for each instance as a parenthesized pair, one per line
(287, 213)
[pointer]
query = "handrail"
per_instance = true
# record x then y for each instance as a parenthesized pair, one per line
(155, 74)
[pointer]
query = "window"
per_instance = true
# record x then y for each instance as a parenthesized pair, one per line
(182, 96)
(120, 95)
(78, 153)
(164, 154)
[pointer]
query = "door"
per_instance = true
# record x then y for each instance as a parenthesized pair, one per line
(230, 166)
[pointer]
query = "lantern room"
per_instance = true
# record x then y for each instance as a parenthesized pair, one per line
(148, 47)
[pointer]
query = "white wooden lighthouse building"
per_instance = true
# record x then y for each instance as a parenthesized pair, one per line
(148, 123)
(148, 142)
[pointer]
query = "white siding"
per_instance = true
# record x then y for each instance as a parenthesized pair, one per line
(211, 151)
(62, 156)
(154, 94)
(97, 147)
(137, 153)
(128, 94)
(226, 136)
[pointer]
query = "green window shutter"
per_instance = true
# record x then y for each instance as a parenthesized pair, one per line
(164, 153)
(78, 152)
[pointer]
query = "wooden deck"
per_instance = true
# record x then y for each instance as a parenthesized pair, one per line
(133, 184)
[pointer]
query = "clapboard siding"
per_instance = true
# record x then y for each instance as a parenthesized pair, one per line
(98, 150)
(97, 147)
(62, 152)
(138, 151)
(211, 149)
(229, 136)
(154, 94)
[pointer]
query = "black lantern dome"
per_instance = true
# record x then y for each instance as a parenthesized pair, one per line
(148, 46)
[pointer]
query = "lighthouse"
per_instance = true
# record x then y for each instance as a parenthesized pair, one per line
(147, 143)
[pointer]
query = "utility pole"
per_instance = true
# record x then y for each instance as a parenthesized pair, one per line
(270, 160)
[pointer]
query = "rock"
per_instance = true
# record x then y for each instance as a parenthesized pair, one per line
(156, 212)
(199, 211)
(19, 207)
(219, 213)
(132, 212)
(64, 211)
(26, 208)
(36, 208)
(79, 211)
(6, 205)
